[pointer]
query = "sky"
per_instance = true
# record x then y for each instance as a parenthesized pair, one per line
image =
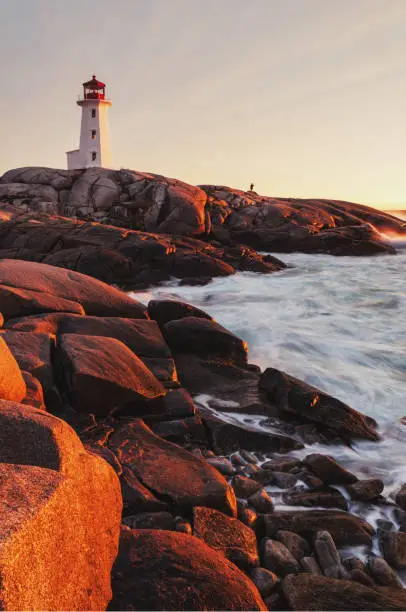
(304, 98)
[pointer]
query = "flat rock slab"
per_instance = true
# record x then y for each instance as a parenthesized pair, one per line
(12, 385)
(226, 535)
(163, 570)
(102, 373)
(170, 472)
(228, 437)
(96, 297)
(293, 395)
(324, 498)
(346, 529)
(309, 592)
(20, 302)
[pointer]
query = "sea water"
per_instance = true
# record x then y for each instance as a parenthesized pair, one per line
(338, 323)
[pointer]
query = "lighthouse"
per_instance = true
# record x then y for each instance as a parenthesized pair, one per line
(94, 148)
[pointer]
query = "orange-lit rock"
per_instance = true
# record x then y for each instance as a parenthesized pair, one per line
(142, 336)
(171, 472)
(164, 570)
(34, 396)
(19, 302)
(33, 354)
(226, 535)
(95, 296)
(60, 511)
(102, 373)
(12, 385)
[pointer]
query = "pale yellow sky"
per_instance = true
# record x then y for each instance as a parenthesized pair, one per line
(305, 98)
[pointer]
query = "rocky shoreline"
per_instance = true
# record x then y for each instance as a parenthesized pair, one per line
(91, 376)
(115, 433)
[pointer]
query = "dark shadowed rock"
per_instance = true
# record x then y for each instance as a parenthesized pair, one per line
(244, 487)
(278, 559)
(163, 570)
(308, 592)
(328, 469)
(393, 547)
(205, 338)
(401, 497)
(150, 520)
(261, 501)
(297, 545)
(12, 385)
(383, 574)
(136, 497)
(227, 437)
(366, 490)
(101, 373)
(346, 529)
(295, 396)
(264, 580)
(310, 565)
(164, 311)
(33, 353)
(172, 473)
(328, 557)
(226, 535)
(282, 464)
(325, 498)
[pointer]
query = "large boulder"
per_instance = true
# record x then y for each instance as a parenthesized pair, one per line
(206, 339)
(295, 396)
(164, 570)
(346, 529)
(101, 373)
(94, 190)
(172, 473)
(12, 385)
(309, 592)
(142, 336)
(61, 506)
(96, 297)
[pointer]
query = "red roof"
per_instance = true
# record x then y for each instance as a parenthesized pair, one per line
(94, 84)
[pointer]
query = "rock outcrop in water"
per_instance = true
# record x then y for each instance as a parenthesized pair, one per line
(194, 485)
(157, 204)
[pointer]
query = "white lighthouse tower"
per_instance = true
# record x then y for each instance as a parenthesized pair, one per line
(94, 149)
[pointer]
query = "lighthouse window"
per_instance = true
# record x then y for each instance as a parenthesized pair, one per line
(93, 134)
(93, 113)
(94, 155)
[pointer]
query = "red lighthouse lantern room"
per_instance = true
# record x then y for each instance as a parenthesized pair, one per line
(94, 89)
